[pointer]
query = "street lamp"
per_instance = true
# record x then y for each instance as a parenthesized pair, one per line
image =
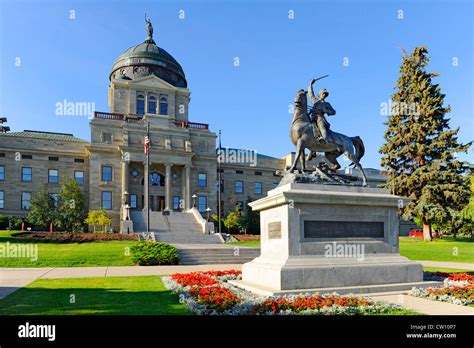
(194, 200)
(208, 211)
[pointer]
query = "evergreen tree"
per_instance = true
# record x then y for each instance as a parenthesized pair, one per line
(420, 149)
(251, 218)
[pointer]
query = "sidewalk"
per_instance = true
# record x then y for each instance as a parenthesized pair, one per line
(442, 264)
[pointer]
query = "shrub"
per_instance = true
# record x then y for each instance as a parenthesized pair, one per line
(150, 253)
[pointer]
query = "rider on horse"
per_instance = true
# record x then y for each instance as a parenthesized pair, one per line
(320, 124)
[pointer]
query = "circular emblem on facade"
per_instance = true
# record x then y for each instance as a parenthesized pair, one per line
(135, 173)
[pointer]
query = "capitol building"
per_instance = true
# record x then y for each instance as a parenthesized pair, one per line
(148, 87)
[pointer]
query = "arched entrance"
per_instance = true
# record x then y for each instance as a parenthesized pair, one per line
(157, 191)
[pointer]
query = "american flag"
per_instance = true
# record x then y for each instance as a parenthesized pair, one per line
(146, 144)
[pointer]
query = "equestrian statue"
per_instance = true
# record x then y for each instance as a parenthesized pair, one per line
(310, 130)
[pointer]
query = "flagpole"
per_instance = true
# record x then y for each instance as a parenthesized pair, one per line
(147, 180)
(220, 181)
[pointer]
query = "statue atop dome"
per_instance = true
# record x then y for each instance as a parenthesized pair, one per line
(149, 30)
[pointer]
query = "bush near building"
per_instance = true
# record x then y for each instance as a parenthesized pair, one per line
(149, 253)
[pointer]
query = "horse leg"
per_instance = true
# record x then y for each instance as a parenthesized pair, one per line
(299, 148)
(354, 159)
(303, 160)
(332, 158)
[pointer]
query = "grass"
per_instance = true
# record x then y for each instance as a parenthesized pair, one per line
(145, 295)
(247, 243)
(54, 254)
(446, 249)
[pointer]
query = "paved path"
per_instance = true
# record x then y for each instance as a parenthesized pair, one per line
(11, 279)
(442, 264)
(422, 305)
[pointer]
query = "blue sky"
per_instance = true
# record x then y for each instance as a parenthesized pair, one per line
(63, 58)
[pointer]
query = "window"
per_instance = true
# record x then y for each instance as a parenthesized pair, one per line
(54, 198)
(2, 199)
(202, 204)
(26, 156)
(106, 200)
(2, 173)
(202, 179)
(53, 176)
(239, 186)
(25, 200)
(176, 201)
(140, 104)
(106, 173)
(107, 137)
(258, 188)
(259, 173)
(2, 154)
(163, 106)
(79, 177)
(26, 174)
(239, 172)
(133, 201)
(152, 105)
(79, 160)
(53, 158)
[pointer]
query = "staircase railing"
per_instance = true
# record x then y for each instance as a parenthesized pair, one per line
(206, 227)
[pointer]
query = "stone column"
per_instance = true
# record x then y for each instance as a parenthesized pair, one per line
(188, 199)
(168, 181)
(183, 189)
(146, 181)
(124, 188)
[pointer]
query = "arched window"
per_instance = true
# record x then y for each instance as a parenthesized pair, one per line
(163, 106)
(140, 104)
(152, 105)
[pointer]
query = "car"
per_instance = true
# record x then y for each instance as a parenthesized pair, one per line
(415, 232)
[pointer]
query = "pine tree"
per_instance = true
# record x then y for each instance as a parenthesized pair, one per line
(420, 153)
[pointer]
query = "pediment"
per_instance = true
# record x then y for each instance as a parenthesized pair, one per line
(152, 81)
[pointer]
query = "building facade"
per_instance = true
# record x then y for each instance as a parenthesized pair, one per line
(147, 94)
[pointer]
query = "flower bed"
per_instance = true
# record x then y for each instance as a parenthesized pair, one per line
(458, 289)
(69, 237)
(209, 293)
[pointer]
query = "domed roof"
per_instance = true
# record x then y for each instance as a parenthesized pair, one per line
(148, 59)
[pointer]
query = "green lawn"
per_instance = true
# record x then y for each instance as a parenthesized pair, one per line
(247, 243)
(144, 295)
(102, 296)
(53, 254)
(446, 249)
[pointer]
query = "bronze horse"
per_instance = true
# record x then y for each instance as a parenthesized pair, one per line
(302, 136)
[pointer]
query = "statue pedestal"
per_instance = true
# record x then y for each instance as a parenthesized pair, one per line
(323, 238)
(126, 226)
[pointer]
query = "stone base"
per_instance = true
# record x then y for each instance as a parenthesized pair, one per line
(319, 272)
(368, 289)
(126, 226)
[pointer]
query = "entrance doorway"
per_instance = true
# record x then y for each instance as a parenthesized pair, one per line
(157, 203)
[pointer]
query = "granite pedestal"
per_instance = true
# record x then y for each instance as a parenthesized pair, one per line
(317, 237)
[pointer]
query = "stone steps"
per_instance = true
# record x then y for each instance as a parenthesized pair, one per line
(173, 229)
(217, 255)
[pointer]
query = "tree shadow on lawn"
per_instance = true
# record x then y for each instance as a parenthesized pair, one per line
(96, 301)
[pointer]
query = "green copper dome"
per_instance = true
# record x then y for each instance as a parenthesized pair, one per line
(148, 59)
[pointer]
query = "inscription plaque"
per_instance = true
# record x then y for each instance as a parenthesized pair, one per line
(274, 230)
(343, 229)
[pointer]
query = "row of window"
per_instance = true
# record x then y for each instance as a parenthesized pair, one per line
(50, 158)
(53, 175)
(151, 105)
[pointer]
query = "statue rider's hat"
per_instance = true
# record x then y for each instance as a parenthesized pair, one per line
(323, 93)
